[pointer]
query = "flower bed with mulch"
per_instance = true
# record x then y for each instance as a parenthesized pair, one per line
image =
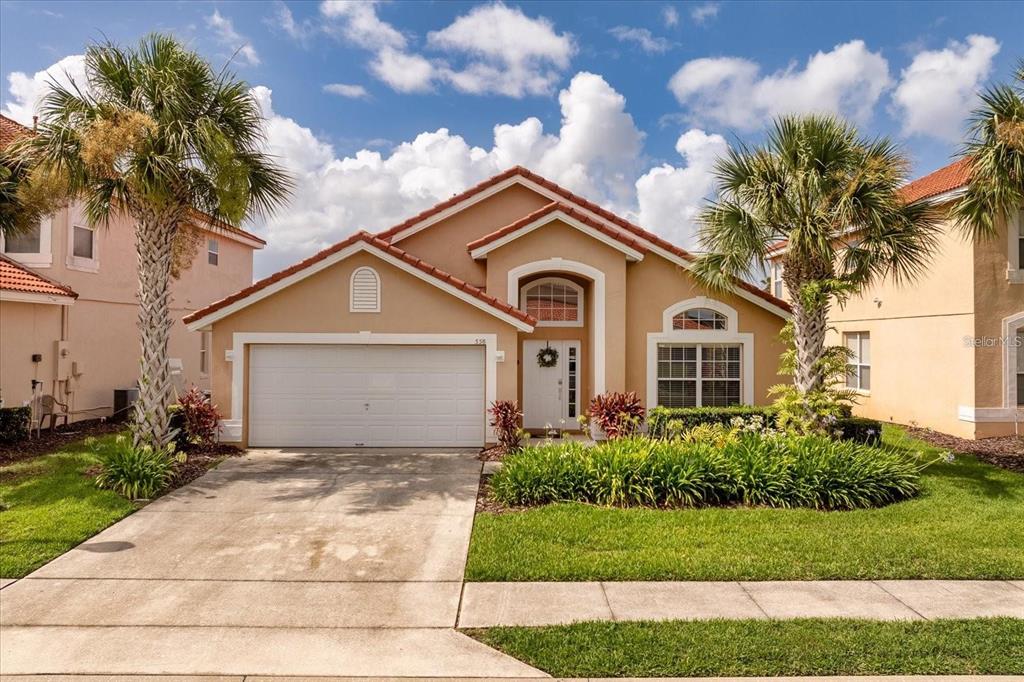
(1006, 452)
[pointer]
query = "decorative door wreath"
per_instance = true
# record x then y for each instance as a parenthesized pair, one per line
(547, 357)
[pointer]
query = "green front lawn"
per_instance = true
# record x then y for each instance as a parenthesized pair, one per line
(48, 505)
(767, 648)
(966, 524)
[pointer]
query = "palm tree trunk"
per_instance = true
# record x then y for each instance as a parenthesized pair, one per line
(810, 324)
(154, 239)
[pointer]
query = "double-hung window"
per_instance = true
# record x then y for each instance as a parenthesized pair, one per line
(212, 252)
(858, 364)
(699, 375)
(31, 247)
(204, 352)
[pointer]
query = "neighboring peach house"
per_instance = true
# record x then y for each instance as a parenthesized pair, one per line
(405, 338)
(946, 352)
(68, 306)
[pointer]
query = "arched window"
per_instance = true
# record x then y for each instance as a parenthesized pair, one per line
(364, 296)
(700, 319)
(554, 301)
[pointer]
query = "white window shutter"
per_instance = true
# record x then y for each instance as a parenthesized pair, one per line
(365, 291)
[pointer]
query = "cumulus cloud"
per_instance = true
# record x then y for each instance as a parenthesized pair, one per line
(705, 12)
(937, 91)
(402, 71)
(346, 90)
(361, 25)
(670, 15)
(283, 18)
(670, 197)
(731, 91)
(224, 31)
(643, 38)
(26, 91)
(372, 190)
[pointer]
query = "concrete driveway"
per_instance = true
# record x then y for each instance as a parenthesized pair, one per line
(305, 562)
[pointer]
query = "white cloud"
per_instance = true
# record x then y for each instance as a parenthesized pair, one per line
(670, 15)
(938, 90)
(224, 30)
(596, 152)
(346, 90)
(26, 91)
(646, 40)
(283, 18)
(731, 91)
(670, 198)
(704, 12)
(506, 51)
(402, 71)
(361, 25)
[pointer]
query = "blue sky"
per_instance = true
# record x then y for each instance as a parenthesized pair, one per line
(382, 109)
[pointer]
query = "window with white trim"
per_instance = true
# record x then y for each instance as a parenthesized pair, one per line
(712, 381)
(1015, 248)
(31, 247)
(858, 365)
(84, 242)
(1020, 366)
(204, 352)
(777, 280)
(700, 319)
(83, 246)
(213, 252)
(554, 302)
(364, 296)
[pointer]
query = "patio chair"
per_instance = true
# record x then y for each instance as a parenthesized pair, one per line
(48, 406)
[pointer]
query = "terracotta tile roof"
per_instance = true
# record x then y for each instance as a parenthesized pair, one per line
(16, 277)
(377, 243)
(11, 130)
(568, 210)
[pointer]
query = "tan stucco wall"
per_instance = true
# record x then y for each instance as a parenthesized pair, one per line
(444, 243)
(656, 284)
(25, 329)
(102, 331)
(320, 303)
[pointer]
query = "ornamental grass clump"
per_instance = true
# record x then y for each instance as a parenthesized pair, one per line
(747, 468)
(133, 471)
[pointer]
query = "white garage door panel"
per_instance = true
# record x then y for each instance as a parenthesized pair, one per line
(347, 395)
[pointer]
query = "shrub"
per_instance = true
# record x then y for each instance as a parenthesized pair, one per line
(859, 430)
(14, 423)
(744, 468)
(199, 419)
(617, 414)
(659, 420)
(134, 472)
(505, 419)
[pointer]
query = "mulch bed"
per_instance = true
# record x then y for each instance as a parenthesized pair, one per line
(1006, 452)
(486, 503)
(495, 454)
(200, 461)
(52, 440)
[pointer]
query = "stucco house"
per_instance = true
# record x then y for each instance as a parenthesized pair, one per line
(404, 338)
(68, 305)
(946, 352)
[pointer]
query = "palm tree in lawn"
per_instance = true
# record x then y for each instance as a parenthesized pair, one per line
(995, 153)
(154, 134)
(835, 198)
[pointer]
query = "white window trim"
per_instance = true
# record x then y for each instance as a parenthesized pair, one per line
(731, 316)
(44, 258)
(778, 286)
(205, 343)
(210, 241)
(1015, 231)
(597, 327)
(351, 290)
(857, 389)
(75, 262)
(706, 338)
(232, 429)
(581, 307)
(1011, 325)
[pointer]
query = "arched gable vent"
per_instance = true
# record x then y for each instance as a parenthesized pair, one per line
(365, 291)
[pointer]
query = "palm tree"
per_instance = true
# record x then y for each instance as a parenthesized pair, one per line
(155, 134)
(995, 154)
(834, 197)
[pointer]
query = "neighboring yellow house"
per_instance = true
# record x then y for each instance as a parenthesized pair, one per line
(946, 352)
(516, 289)
(82, 346)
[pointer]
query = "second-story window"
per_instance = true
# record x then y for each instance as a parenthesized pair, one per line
(554, 301)
(212, 252)
(777, 282)
(84, 245)
(24, 242)
(31, 246)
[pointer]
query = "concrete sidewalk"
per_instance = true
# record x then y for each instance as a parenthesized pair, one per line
(492, 604)
(262, 678)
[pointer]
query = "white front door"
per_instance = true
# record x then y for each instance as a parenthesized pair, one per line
(551, 395)
(360, 395)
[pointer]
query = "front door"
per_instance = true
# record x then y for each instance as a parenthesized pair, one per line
(551, 394)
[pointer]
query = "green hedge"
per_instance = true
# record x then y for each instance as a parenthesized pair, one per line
(14, 423)
(689, 417)
(860, 430)
(750, 469)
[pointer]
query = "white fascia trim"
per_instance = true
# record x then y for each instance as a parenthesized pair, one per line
(554, 196)
(233, 236)
(731, 316)
(31, 297)
(631, 253)
(746, 339)
(597, 277)
(239, 340)
(946, 196)
(1010, 352)
(987, 415)
(358, 247)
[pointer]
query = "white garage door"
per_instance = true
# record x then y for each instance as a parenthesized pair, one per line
(347, 395)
